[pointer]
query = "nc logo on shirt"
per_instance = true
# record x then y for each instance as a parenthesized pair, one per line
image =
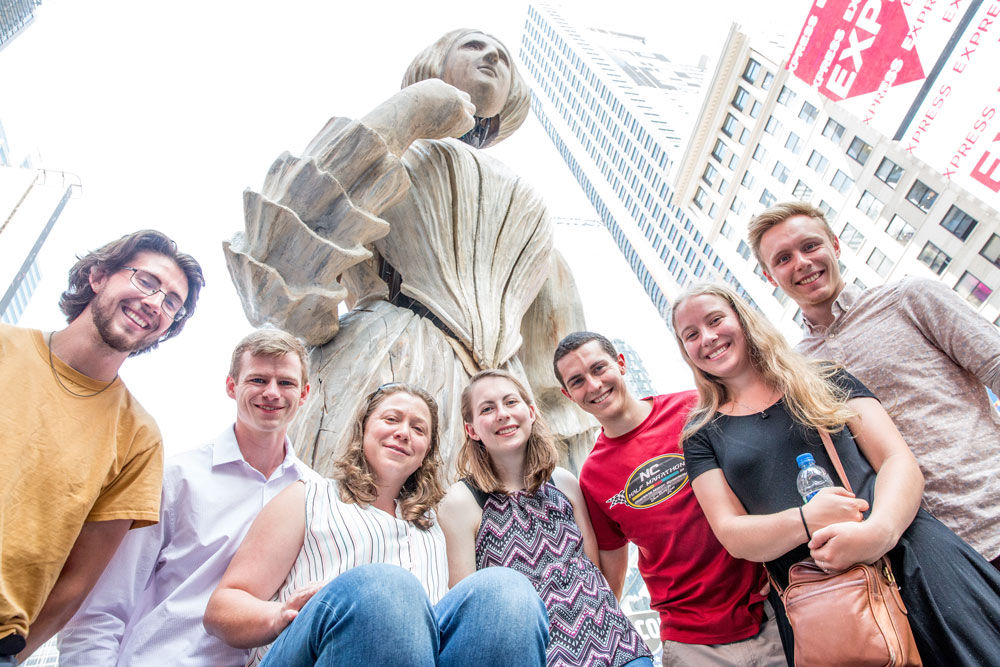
(652, 482)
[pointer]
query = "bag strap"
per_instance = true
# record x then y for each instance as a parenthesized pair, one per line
(835, 458)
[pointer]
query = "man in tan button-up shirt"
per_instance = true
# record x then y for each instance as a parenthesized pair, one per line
(922, 350)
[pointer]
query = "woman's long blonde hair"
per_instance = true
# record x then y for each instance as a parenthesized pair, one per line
(474, 461)
(422, 490)
(811, 398)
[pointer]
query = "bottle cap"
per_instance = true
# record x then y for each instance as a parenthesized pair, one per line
(805, 460)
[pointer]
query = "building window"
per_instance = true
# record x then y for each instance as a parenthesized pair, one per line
(723, 186)
(870, 204)
(958, 222)
(727, 230)
(852, 237)
(760, 153)
(786, 96)
(741, 98)
(729, 125)
(817, 162)
(833, 131)
(921, 196)
(712, 210)
(900, 230)
(768, 80)
(828, 211)
(793, 143)
(747, 181)
(973, 289)
(991, 250)
(780, 172)
(755, 109)
(743, 249)
(734, 161)
(751, 71)
(699, 198)
(859, 150)
(802, 192)
(841, 181)
(889, 172)
(772, 125)
(744, 136)
(737, 206)
(934, 257)
(766, 198)
(719, 151)
(808, 113)
(710, 174)
(878, 261)
(860, 283)
(780, 295)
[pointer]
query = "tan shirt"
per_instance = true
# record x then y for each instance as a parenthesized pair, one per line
(64, 460)
(926, 355)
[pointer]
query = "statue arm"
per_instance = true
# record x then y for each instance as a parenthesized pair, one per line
(308, 230)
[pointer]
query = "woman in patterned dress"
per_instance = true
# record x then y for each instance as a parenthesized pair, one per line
(353, 570)
(515, 509)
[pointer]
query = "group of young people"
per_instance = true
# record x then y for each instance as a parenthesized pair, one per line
(256, 559)
(243, 555)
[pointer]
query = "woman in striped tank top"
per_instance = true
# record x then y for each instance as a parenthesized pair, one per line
(353, 570)
(515, 509)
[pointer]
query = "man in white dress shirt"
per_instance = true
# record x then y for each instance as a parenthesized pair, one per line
(148, 606)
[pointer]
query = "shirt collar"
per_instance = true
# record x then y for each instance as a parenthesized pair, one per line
(843, 303)
(227, 450)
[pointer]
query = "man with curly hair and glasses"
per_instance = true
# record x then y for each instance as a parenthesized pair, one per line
(81, 459)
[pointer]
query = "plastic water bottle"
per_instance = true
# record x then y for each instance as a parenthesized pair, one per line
(811, 477)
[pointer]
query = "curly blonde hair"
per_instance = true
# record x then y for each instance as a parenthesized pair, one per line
(811, 398)
(474, 461)
(422, 490)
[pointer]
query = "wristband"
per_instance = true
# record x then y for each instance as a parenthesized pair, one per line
(804, 525)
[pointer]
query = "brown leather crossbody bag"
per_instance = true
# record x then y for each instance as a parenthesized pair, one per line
(853, 618)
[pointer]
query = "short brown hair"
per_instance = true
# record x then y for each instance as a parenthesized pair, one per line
(576, 340)
(271, 343)
(421, 492)
(112, 257)
(474, 461)
(777, 214)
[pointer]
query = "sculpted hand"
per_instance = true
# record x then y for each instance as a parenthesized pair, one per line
(840, 545)
(290, 608)
(429, 109)
(833, 505)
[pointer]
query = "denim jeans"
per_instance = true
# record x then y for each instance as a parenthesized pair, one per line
(379, 614)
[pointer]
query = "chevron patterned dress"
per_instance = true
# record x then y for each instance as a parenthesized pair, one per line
(536, 534)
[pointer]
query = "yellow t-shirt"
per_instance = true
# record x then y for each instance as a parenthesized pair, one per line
(64, 460)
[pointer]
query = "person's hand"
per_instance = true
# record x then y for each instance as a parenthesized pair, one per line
(839, 546)
(290, 608)
(833, 505)
(440, 109)
(429, 109)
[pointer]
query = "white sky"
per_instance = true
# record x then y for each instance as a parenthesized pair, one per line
(167, 111)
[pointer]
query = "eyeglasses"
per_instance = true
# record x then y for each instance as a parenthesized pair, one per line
(144, 281)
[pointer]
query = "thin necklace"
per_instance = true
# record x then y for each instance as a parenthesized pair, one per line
(762, 412)
(55, 374)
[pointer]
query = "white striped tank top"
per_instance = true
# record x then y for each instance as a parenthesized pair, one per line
(341, 535)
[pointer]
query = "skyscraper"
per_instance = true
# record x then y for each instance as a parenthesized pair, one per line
(761, 136)
(15, 16)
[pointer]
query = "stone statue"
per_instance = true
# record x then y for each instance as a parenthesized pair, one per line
(442, 254)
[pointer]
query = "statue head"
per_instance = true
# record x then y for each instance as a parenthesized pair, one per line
(480, 65)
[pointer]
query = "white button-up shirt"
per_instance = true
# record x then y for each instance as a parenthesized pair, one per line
(147, 607)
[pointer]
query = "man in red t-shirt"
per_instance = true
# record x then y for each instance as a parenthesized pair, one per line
(636, 488)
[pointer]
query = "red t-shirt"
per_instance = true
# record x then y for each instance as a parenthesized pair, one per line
(637, 490)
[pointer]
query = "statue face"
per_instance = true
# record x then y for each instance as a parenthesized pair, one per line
(480, 65)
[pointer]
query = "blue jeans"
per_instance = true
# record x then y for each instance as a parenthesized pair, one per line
(379, 614)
